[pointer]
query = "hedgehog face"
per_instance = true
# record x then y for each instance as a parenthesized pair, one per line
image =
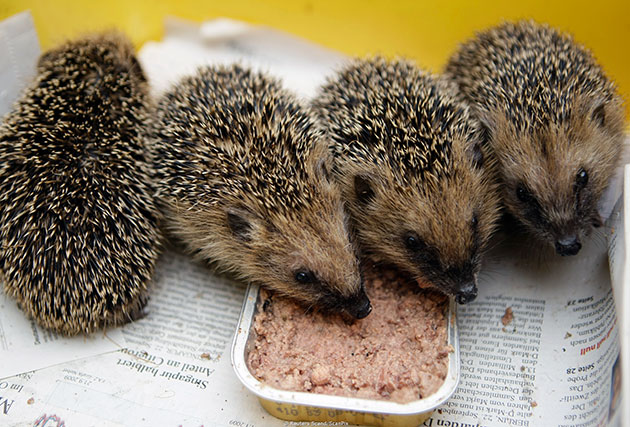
(409, 158)
(554, 121)
(554, 176)
(306, 255)
(435, 230)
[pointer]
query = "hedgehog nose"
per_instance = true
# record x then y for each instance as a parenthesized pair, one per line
(363, 310)
(359, 306)
(568, 245)
(467, 293)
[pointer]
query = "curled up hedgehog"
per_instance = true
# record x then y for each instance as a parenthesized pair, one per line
(242, 175)
(78, 227)
(554, 123)
(410, 161)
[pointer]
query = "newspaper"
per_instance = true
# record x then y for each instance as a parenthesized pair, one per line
(556, 362)
(619, 259)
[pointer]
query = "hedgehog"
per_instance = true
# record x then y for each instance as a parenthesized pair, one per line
(411, 165)
(79, 233)
(243, 183)
(554, 123)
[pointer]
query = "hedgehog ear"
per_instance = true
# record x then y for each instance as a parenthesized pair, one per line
(477, 155)
(598, 114)
(476, 149)
(323, 169)
(363, 189)
(240, 223)
(484, 134)
(487, 125)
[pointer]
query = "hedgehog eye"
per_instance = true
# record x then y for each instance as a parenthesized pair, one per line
(581, 179)
(304, 276)
(363, 189)
(474, 222)
(523, 194)
(413, 242)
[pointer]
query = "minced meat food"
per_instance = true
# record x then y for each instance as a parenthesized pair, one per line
(399, 352)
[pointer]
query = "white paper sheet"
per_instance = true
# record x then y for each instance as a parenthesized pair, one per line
(19, 50)
(301, 65)
(175, 371)
(619, 259)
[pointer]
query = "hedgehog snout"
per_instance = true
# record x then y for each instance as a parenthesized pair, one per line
(358, 306)
(460, 281)
(466, 293)
(568, 245)
(565, 234)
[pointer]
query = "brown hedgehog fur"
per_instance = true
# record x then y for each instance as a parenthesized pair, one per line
(554, 122)
(78, 231)
(242, 179)
(408, 157)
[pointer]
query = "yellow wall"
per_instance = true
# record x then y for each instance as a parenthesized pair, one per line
(425, 30)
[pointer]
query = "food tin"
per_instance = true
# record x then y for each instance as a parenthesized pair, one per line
(302, 406)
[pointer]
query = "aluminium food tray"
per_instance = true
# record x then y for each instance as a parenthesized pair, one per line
(303, 406)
